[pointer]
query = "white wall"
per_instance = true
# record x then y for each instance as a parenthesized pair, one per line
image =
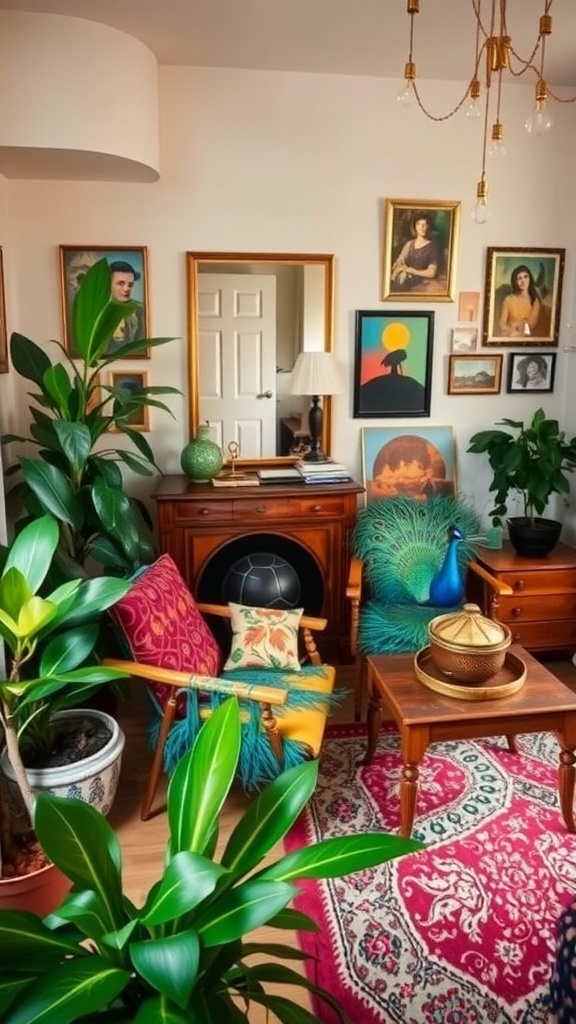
(303, 163)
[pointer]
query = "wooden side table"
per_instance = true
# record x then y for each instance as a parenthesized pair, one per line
(541, 612)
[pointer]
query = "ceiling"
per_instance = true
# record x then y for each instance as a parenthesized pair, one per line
(351, 37)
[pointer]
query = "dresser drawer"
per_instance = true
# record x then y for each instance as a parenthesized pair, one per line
(202, 511)
(541, 581)
(248, 510)
(529, 608)
(545, 636)
(317, 505)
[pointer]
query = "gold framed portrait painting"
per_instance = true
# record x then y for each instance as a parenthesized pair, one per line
(420, 248)
(522, 296)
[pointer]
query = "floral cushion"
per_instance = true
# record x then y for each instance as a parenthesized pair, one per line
(264, 638)
(163, 626)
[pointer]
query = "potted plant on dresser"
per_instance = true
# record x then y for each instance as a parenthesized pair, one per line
(533, 462)
(48, 642)
(185, 956)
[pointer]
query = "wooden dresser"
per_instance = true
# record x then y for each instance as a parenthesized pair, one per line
(204, 528)
(542, 610)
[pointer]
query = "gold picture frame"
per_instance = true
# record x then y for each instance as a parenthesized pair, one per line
(512, 318)
(132, 380)
(420, 250)
(132, 264)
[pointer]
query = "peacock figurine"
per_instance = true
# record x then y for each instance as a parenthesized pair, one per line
(447, 586)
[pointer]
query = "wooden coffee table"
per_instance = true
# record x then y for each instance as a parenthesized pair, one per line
(544, 704)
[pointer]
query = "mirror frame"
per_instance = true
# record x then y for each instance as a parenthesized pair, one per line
(193, 261)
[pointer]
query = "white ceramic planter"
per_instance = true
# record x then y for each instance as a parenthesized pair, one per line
(94, 779)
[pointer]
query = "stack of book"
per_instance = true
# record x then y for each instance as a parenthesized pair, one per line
(328, 472)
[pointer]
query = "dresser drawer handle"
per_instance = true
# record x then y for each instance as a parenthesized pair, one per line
(317, 508)
(516, 612)
(516, 637)
(204, 511)
(519, 584)
(260, 509)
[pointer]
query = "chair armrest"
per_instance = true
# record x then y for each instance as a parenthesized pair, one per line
(180, 680)
(354, 588)
(496, 585)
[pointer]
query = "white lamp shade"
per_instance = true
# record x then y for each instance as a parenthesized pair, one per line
(317, 373)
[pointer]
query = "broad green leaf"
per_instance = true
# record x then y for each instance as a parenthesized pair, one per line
(76, 443)
(133, 348)
(56, 383)
(23, 934)
(268, 949)
(85, 848)
(288, 1012)
(103, 550)
(108, 470)
(68, 650)
(28, 359)
(202, 780)
(112, 506)
(53, 490)
(188, 879)
(241, 909)
(34, 615)
(89, 301)
(341, 855)
(95, 596)
(279, 974)
(71, 990)
(14, 592)
(293, 920)
(169, 964)
(155, 1011)
(269, 817)
(85, 910)
(141, 444)
(135, 464)
(32, 550)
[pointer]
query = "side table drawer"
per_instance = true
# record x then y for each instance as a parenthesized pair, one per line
(254, 508)
(541, 581)
(202, 511)
(525, 608)
(545, 636)
(317, 505)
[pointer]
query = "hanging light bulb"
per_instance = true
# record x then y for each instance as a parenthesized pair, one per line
(407, 96)
(496, 147)
(480, 212)
(540, 120)
(473, 109)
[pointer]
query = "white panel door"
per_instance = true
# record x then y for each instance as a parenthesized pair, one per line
(237, 359)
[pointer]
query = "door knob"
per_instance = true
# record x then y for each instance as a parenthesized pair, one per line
(265, 394)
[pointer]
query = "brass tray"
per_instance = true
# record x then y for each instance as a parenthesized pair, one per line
(507, 681)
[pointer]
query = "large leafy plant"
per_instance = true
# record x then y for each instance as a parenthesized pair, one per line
(76, 476)
(181, 958)
(56, 633)
(531, 461)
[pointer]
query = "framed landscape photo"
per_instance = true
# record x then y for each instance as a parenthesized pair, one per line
(522, 296)
(129, 281)
(420, 248)
(133, 382)
(464, 339)
(416, 462)
(475, 374)
(4, 363)
(393, 364)
(534, 371)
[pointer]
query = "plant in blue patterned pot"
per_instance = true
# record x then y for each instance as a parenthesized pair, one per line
(201, 458)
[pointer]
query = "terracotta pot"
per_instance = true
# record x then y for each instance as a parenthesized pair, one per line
(40, 892)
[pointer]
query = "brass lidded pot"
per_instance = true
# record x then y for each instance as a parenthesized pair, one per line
(467, 646)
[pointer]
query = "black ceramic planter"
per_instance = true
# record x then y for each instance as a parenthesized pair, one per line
(534, 541)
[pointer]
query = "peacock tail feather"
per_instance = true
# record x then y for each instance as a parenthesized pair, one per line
(403, 543)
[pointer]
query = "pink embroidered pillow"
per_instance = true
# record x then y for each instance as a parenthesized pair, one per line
(264, 638)
(163, 626)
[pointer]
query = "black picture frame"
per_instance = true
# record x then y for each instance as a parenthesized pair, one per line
(522, 379)
(393, 363)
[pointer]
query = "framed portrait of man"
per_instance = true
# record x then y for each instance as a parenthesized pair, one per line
(420, 249)
(128, 283)
(522, 296)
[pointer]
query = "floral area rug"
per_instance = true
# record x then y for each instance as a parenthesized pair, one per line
(463, 931)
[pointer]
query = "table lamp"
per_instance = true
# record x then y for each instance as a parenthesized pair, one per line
(316, 374)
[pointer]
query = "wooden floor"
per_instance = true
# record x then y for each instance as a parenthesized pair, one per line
(143, 843)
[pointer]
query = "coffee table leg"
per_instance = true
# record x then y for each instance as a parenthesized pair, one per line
(374, 717)
(413, 744)
(566, 787)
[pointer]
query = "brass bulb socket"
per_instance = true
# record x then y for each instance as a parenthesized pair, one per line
(413, 6)
(410, 71)
(482, 190)
(474, 90)
(545, 24)
(497, 131)
(541, 90)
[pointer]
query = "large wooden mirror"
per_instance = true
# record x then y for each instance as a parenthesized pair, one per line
(249, 317)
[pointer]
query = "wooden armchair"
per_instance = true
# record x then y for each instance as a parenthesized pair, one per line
(400, 545)
(173, 648)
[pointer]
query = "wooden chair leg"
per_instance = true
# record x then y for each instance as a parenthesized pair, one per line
(270, 726)
(359, 687)
(155, 772)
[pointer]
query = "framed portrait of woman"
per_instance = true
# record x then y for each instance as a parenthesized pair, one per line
(522, 296)
(420, 249)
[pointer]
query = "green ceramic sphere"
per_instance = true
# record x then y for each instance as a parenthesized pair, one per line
(201, 458)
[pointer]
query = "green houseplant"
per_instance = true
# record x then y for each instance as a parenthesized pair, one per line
(49, 642)
(533, 462)
(76, 475)
(181, 958)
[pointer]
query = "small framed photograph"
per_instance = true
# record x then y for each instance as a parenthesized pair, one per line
(469, 307)
(131, 382)
(129, 281)
(522, 296)
(414, 462)
(4, 363)
(474, 375)
(533, 371)
(464, 339)
(393, 364)
(420, 248)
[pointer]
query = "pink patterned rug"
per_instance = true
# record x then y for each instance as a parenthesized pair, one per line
(462, 932)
